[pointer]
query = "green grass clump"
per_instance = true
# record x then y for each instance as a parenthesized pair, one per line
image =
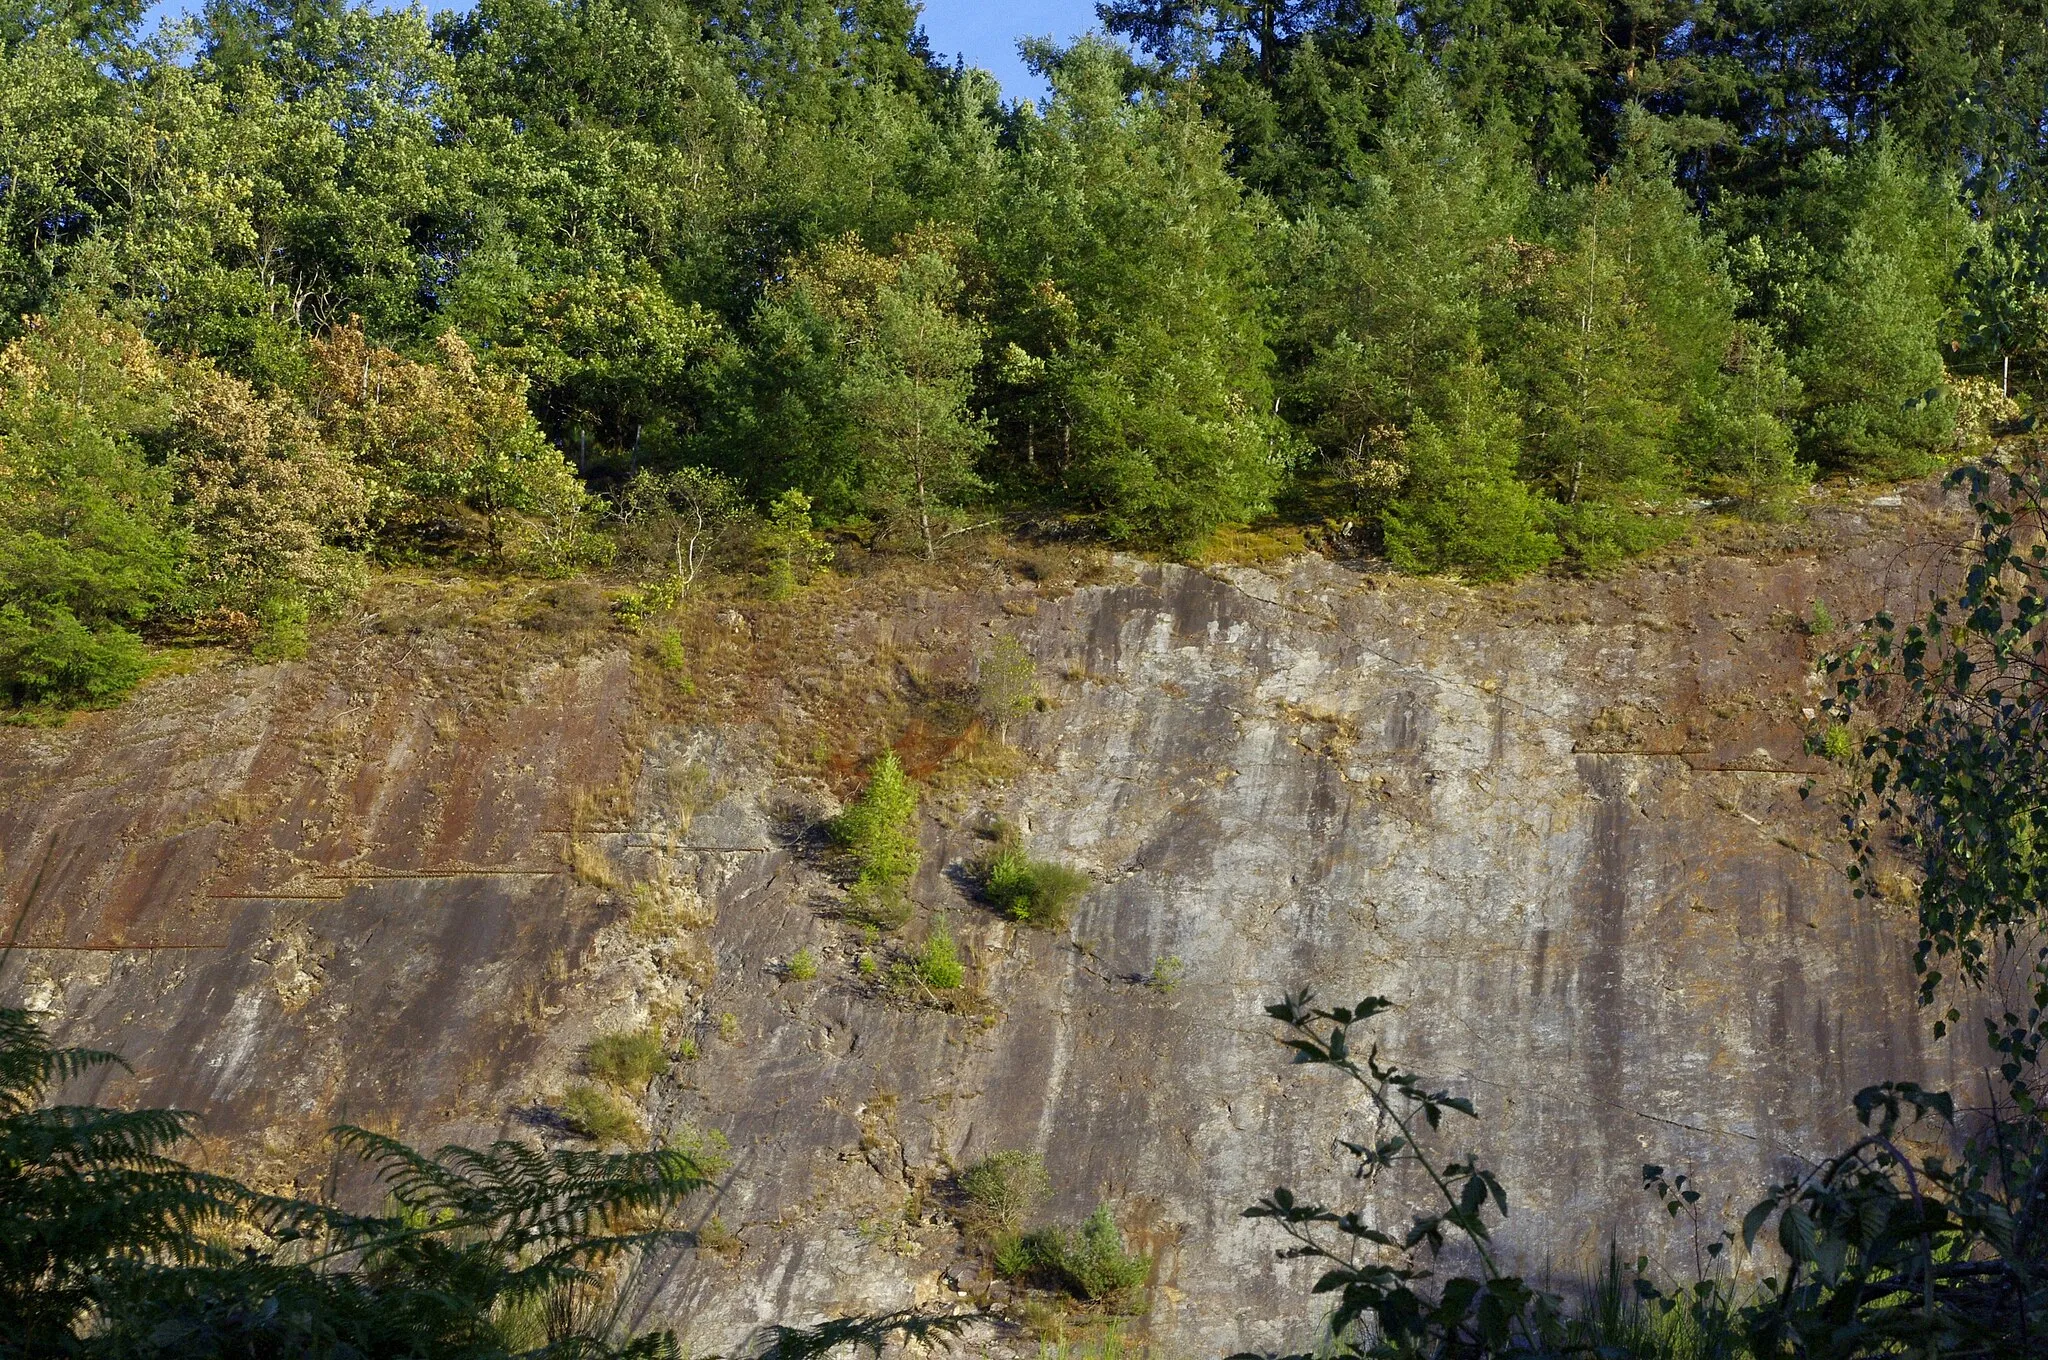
(1003, 1188)
(628, 1059)
(599, 1115)
(1836, 743)
(1089, 1261)
(880, 833)
(938, 964)
(803, 966)
(1034, 891)
(670, 657)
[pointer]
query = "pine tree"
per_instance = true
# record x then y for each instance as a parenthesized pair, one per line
(1136, 375)
(1463, 506)
(1862, 263)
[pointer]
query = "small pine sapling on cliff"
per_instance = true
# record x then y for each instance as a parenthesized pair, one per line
(879, 832)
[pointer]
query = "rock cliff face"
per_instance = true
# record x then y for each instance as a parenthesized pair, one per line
(403, 883)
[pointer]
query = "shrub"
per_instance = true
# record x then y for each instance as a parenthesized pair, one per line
(1005, 683)
(803, 966)
(1089, 1261)
(1167, 975)
(449, 444)
(1034, 891)
(281, 620)
(599, 1115)
(879, 832)
(90, 539)
(668, 651)
(49, 657)
(1836, 743)
(938, 963)
(1003, 1188)
(795, 547)
(628, 1059)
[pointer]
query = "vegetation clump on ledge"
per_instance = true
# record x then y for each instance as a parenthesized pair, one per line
(878, 831)
(1033, 891)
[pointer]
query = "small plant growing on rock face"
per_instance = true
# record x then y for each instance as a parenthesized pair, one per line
(879, 832)
(796, 548)
(803, 965)
(1034, 891)
(1088, 1260)
(628, 1059)
(1003, 1188)
(729, 1027)
(599, 1115)
(938, 963)
(1167, 975)
(1005, 683)
(716, 1237)
(671, 658)
(1836, 743)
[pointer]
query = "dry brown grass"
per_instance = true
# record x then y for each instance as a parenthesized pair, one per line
(587, 861)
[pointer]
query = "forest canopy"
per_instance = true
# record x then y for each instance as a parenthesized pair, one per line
(287, 289)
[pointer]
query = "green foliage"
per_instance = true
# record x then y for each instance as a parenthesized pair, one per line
(90, 545)
(795, 546)
(866, 369)
(448, 441)
(678, 517)
(1003, 1188)
(600, 1116)
(1167, 975)
(1034, 891)
(1463, 508)
(1087, 1260)
(1836, 743)
(1859, 275)
(1508, 285)
(113, 1247)
(669, 653)
(1137, 370)
(871, 1334)
(1005, 682)
(803, 965)
(879, 833)
(1885, 1256)
(1957, 753)
(937, 964)
(628, 1059)
(281, 627)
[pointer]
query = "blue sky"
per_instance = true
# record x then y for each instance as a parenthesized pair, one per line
(986, 33)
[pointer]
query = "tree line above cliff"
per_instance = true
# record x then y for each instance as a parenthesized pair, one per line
(1485, 286)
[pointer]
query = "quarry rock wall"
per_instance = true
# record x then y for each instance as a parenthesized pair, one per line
(402, 882)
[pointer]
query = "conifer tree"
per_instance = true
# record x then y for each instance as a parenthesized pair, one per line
(1136, 377)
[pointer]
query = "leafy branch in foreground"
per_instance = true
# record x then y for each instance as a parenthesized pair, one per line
(1375, 1272)
(1884, 1255)
(110, 1246)
(1889, 1257)
(1953, 715)
(906, 1326)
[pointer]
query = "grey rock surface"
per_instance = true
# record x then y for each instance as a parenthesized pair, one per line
(1560, 824)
